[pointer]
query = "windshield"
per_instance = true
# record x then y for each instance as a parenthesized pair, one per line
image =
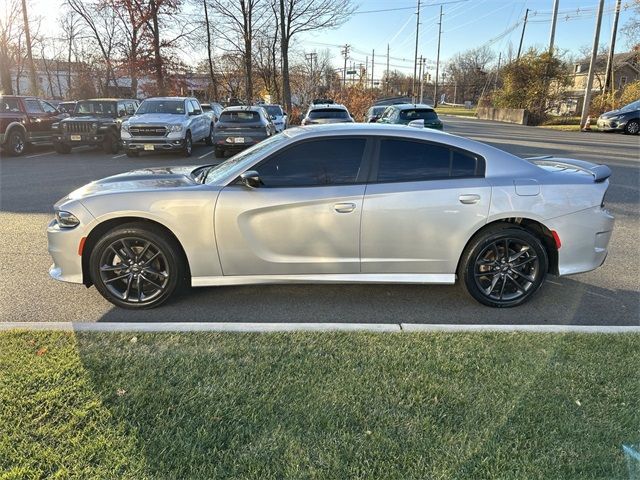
(240, 116)
(418, 114)
(632, 106)
(205, 107)
(161, 106)
(328, 113)
(378, 110)
(273, 110)
(95, 108)
(238, 163)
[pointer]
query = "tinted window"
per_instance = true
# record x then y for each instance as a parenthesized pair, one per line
(206, 108)
(240, 116)
(404, 160)
(317, 162)
(274, 110)
(33, 106)
(328, 113)
(161, 106)
(418, 114)
(196, 106)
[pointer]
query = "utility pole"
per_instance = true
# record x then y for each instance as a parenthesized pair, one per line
(608, 77)
(415, 59)
(524, 26)
(420, 76)
(312, 57)
(387, 69)
(554, 19)
(33, 83)
(435, 90)
(345, 52)
(495, 81)
(592, 66)
(373, 58)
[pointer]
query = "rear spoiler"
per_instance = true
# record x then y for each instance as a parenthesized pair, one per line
(599, 172)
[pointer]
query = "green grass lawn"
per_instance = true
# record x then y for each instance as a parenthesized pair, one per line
(449, 110)
(317, 406)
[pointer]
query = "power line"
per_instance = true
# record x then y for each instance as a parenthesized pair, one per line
(407, 8)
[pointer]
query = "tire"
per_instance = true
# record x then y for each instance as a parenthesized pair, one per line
(493, 280)
(219, 152)
(133, 153)
(188, 145)
(136, 266)
(62, 148)
(111, 144)
(209, 139)
(632, 127)
(16, 143)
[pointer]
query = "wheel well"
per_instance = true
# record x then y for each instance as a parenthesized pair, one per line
(102, 228)
(533, 227)
(13, 127)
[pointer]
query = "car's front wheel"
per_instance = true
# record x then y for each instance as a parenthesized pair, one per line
(111, 143)
(503, 266)
(209, 139)
(188, 145)
(136, 266)
(16, 143)
(632, 127)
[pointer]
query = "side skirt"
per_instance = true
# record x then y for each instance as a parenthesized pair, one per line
(431, 278)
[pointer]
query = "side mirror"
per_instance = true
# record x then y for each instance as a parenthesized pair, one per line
(250, 179)
(417, 123)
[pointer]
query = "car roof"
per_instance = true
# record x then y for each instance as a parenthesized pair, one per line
(322, 106)
(108, 100)
(238, 108)
(170, 98)
(412, 106)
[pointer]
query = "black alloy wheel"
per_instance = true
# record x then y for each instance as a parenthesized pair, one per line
(17, 143)
(111, 144)
(188, 145)
(136, 267)
(632, 127)
(504, 267)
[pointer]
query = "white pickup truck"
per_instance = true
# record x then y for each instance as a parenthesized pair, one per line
(167, 123)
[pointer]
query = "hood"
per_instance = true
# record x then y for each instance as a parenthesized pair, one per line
(136, 180)
(156, 119)
(612, 113)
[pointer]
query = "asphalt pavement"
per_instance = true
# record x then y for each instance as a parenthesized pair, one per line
(29, 186)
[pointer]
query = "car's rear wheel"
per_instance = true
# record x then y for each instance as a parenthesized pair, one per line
(111, 143)
(16, 143)
(136, 266)
(503, 266)
(62, 148)
(209, 139)
(632, 127)
(188, 145)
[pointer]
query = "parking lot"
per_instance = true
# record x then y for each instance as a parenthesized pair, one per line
(29, 186)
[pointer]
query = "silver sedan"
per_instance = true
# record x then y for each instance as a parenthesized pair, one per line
(363, 203)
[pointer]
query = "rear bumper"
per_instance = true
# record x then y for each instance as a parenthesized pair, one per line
(230, 140)
(585, 237)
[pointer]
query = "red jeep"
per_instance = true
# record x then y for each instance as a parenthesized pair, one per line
(26, 121)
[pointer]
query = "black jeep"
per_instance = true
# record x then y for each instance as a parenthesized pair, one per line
(94, 122)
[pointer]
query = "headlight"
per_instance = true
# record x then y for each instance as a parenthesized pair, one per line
(55, 126)
(94, 126)
(174, 128)
(66, 219)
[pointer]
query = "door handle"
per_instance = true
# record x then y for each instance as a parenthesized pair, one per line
(344, 207)
(469, 199)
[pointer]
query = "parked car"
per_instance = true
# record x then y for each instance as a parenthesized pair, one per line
(405, 113)
(625, 119)
(327, 113)
(241, 127)
(167, 123)
(26, 121)
(278, 116)
(374, 113)
(360, 203)
(66, 107)
(94, 122)
(213, 110)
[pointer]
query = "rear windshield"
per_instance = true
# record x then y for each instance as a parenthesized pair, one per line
(328, 113)
(161, 106)
(378, 110)
(241, 116)
(273, 110)
(418, 114)
(95, 108)
(205, 107)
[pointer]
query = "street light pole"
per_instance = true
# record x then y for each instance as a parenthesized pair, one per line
(435, 90)
(592, 65)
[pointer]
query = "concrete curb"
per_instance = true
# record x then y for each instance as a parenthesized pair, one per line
(305, 327)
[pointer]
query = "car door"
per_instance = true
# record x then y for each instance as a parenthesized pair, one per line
(305, 216)
(38, 127)
(202, 120)
(425, 201)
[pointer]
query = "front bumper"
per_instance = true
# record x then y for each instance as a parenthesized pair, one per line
(585, 237)
(79, 138)
(63, 246)
(607, 125)
(152, 144)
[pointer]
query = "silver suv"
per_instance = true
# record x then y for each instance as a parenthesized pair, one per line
(167, 123)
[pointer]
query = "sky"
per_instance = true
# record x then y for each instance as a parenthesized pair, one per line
(466, 24)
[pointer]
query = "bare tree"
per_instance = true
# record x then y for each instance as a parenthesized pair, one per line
(243, 19)
(33, 82)
(72, 29)
(298, 16)
(10, 31)
(212, 75)
(468, 72)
